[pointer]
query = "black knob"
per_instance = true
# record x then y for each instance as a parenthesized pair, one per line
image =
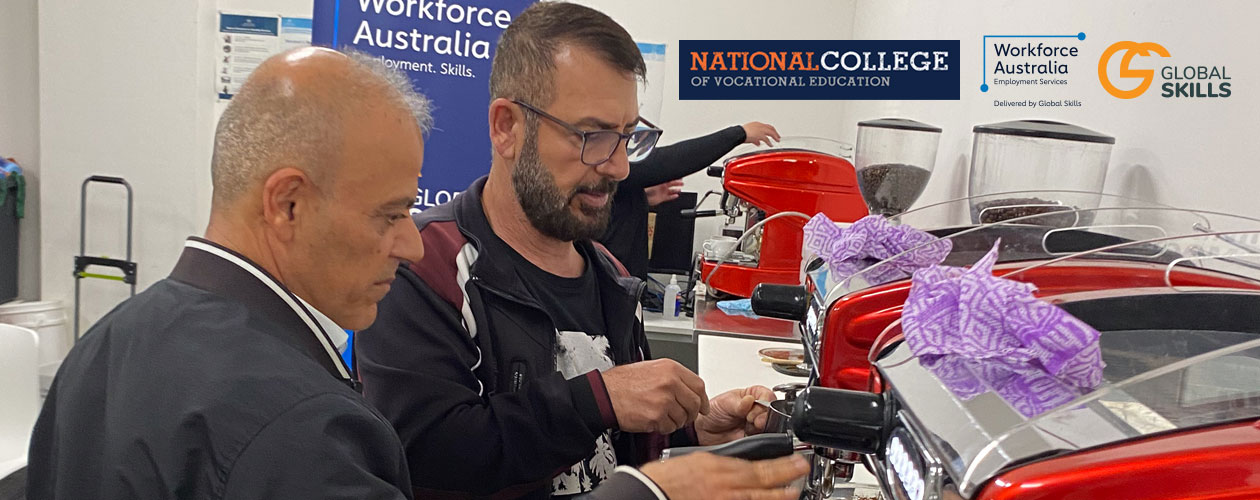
(789, 302)
(843, 420)
(715, 171)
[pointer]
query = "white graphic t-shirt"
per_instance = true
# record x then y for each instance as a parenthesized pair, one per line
(578, 353)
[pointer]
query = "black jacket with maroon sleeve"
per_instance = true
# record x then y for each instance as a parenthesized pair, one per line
(462, 361)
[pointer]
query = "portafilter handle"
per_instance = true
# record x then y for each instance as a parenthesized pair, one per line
(755, 447)
(691, 213)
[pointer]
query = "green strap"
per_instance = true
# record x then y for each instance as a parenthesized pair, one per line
(102, 276)
(22, 195)
(17, 181)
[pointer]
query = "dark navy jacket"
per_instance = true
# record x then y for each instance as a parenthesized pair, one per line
(209, 385)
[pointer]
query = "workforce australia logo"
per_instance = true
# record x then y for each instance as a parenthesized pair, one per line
(1193, 81)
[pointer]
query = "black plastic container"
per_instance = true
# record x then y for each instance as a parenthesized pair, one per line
(8, 239)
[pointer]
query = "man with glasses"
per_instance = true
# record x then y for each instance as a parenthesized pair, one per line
(513, 362)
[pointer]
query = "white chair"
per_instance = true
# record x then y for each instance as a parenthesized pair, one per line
(19, 394)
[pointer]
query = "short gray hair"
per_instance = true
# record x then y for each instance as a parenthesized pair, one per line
(268, 125)
(415, 102)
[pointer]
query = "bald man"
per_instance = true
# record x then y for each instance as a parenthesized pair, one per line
(223, 380)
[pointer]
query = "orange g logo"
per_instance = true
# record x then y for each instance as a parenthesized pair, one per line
(1130, 49)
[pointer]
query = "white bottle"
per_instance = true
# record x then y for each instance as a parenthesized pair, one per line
(669, 303)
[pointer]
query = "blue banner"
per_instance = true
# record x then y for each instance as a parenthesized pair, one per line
(446, 48)
(818, 69)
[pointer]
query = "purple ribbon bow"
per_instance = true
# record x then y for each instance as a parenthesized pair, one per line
(974, 329)
(873, 240)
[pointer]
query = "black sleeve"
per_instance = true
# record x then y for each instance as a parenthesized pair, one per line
(417, 366)
(326, 447)
(681, 159)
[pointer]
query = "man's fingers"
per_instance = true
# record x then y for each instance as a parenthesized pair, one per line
(760, 392)
(775, 494)
(778, 472)
(757, 417)
(745, 405)
(759, 421)
(774, 133)
(696, 385)
(690, 402)
(676, 416)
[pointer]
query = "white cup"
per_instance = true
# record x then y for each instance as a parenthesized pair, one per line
(718, 247)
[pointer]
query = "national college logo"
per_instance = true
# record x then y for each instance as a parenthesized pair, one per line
(1130, 49)
(818, 69)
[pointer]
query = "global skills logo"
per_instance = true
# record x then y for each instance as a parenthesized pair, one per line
(1179, 80)
(818, 69)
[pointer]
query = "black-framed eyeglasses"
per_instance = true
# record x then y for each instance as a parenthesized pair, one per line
(599, 145)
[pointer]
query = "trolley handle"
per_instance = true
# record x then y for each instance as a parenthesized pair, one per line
(83, 261)
(108, 179)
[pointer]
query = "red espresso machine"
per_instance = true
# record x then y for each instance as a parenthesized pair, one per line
(855, 313)
(1175, 417)
(778, 189)
(847, 325)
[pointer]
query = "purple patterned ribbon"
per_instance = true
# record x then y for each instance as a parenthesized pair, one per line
(975, 331)
(870, 241)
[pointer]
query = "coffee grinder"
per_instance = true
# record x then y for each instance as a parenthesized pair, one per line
(894, 159)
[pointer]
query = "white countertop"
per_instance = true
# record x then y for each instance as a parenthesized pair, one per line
(677, 329)
(727, 363)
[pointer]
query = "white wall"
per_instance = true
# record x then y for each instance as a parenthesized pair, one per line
(126, 89)
(1185, 152)
(19, 125)
(119, 95)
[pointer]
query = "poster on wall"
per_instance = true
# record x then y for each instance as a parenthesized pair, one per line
(446, 49)
(652, 90)
(246, 40)
(294, 32)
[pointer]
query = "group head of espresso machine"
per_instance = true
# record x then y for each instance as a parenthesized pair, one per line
(830, 428)
(776, 190)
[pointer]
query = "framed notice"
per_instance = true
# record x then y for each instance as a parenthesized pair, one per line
(246, 40)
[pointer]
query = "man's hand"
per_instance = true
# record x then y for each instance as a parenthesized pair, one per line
(710, 477)
(757, 133)
(664, 192)
(734, 414)
(655, 396)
